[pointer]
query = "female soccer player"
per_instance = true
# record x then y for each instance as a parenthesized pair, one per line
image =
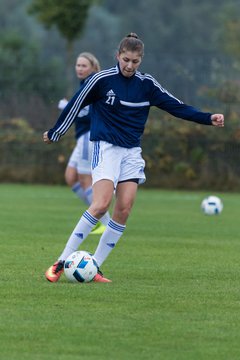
(121, 98)
(78, 171)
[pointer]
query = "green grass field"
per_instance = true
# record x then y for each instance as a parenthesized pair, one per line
(175, 293)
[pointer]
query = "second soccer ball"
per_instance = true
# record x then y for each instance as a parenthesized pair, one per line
(212, 205)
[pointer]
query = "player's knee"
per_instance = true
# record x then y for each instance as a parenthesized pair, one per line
(100, 208)
(122, 213)
(103, 208)
(125, 212)
(70, 179)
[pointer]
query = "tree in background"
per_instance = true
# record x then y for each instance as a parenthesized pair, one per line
(69, 16)
(226, 89)
(231, 31)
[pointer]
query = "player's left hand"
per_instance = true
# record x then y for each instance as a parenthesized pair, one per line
(217, 120)
(46, 138)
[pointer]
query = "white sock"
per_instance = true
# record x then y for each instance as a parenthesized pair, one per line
(108, 241)
(105, 219)
(88, 194)
(78, 190)
(79, 234)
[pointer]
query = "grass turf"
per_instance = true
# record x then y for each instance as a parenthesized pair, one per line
(175, 291)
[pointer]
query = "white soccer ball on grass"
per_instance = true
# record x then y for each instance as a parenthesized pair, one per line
(80, 266)
(212, 205)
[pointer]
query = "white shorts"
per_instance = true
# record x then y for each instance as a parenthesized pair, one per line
(116, 163)
(82, 155)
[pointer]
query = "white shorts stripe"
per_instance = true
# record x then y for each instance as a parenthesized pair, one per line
(95, 158)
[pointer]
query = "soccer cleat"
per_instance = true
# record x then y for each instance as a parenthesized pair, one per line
(98, 229)
(100, 278)
(55, 271)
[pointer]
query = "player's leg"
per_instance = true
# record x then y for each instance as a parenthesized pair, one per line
(130, 175)
(104, 191)
(86, 184)
(71, 176)
(125, 196)
(84, 158)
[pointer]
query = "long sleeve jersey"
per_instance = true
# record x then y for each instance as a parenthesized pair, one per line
(83, 119)
(120, 107)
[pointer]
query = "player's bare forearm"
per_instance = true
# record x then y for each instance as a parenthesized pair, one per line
(217, 120)
(46, 138)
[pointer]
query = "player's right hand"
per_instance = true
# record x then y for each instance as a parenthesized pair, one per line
(46, 138)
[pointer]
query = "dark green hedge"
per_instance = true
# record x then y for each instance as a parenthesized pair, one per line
(178, 154)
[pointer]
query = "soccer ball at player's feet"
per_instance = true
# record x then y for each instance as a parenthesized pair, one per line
(81, 267)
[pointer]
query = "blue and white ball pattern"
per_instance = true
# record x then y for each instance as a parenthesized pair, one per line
(80, 266)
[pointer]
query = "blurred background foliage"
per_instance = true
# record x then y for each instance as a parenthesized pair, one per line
(192, 48)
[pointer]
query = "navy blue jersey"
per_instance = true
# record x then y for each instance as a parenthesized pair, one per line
(120, 107)
(83, 120)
